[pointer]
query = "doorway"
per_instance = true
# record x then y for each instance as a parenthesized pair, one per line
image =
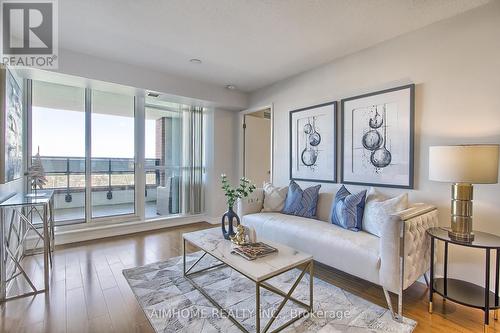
(257, 146)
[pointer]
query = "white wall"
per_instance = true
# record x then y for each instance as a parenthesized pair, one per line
(455, 65)
(221, 126)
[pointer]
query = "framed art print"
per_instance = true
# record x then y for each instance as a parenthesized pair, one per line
(11, 127)
(377, 138)
(313, 140)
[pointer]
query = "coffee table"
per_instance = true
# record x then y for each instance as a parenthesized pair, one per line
(211, 242)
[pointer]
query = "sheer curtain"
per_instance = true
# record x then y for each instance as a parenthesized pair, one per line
(196, 188)
(193, 189)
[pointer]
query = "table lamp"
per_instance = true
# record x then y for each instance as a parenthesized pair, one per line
(463, 165)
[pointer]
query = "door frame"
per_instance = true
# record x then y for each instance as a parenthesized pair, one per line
(241, 139)
(120, 218)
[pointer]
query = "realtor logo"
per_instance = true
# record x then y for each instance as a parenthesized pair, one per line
(29, 33)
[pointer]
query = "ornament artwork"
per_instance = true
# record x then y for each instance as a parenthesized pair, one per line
(37, 173)
(378, 138)
(310, 153)
(375, 142)
(313, 135)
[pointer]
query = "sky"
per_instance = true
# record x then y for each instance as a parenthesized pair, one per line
(62, 133)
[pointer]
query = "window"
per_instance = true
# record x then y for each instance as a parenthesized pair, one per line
(88, 147)
(113, 154)
(58, 134)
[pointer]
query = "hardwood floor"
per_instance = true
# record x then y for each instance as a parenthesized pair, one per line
(89, 293)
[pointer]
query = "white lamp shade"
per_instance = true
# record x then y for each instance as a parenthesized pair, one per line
(475, 164)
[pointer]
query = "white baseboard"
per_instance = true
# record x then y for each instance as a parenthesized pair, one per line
(96, 231)
(212, 220)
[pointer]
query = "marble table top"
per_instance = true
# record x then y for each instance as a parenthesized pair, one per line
(212, 242)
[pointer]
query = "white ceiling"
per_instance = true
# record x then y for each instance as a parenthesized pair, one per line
(248, 43)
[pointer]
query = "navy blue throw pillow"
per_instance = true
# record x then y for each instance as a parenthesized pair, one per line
(301, 202)
(348, 209)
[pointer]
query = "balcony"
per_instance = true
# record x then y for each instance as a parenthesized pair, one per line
(113, 188)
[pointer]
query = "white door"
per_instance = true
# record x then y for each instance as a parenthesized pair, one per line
(257, 150)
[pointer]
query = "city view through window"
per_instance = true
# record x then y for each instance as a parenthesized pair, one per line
(59, 135)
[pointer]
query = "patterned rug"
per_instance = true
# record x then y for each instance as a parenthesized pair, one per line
(172, 304)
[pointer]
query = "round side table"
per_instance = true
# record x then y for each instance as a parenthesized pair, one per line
(463, 292)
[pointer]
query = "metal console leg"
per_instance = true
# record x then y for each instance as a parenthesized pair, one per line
(399, 316)
(487, 292)
(257, 307)
(431, 278)
(426, 280)
(3, 274)
(46, 247)
(311, 286)
(445, 270)
(52, 238)
(497, 277)
(24, 221)
(184, 256)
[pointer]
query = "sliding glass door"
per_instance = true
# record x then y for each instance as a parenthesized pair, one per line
(87, 149)
(163, 157)
(58, 136)
(112, 154)
(89, 144)
(173, 156)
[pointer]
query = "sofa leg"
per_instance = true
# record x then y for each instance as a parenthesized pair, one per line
(400, 307)
(389, 302)
(396, 316)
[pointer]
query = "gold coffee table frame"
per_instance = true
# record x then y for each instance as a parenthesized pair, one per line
(308, 266)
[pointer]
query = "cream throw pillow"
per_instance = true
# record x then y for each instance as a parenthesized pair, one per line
(378, 209)
(274, 197)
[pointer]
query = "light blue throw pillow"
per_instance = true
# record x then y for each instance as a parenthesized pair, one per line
(301, 202)
(348, 209)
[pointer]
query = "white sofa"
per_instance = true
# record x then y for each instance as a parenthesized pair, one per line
(394, 261)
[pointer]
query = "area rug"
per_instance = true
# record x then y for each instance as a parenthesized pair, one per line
(172, 304)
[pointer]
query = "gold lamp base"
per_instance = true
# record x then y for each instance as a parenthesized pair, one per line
(460, 237)
(461, 212)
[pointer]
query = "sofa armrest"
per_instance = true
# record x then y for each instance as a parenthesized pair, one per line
(251, 204)
(405, 247)
(414, 211)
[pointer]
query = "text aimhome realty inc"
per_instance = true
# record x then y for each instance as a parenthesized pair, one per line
(242, 314)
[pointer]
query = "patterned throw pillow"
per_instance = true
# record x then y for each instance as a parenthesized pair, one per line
(274, 198)
(301, 202)
(347, 209)
(293, 198)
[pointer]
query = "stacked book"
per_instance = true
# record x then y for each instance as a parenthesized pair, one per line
(252, 251)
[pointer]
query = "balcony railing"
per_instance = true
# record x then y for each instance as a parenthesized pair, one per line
(113, 186)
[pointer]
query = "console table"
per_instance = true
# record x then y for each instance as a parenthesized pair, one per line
(463, 292)
(26, 221)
